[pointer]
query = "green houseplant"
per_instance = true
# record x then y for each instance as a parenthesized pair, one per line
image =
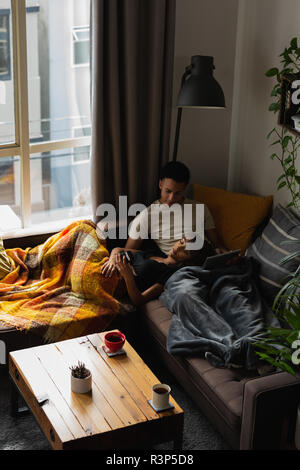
(281, 346)
(287, 143)
(81, 378)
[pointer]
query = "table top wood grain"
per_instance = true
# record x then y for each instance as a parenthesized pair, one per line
(114, 414)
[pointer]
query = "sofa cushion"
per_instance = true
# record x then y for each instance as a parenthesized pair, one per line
(222, 387)
(236, 215)
(269, 250)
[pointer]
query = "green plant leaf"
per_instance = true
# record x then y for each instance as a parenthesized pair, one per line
(271, 72)
(293, 321)
(289, 257)
(281, 185)
(274, 107)
(279, 332)
(287, 160)
(294, 43)
(276, 142)
(280, 177)
(276, 91)
(285, 141)
(270, 133)
(291, 170)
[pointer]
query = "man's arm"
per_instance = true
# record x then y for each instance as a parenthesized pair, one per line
(133, 244)
(137, 227)
(213, 237)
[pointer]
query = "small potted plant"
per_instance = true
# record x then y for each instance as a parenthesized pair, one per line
(81, 378)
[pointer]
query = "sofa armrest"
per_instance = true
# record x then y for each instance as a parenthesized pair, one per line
(269, 411)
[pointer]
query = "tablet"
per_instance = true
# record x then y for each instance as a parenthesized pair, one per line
(219, 261)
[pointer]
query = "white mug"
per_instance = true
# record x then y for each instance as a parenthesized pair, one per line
(160, 396)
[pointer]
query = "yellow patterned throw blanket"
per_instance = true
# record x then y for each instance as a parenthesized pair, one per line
(57, 288)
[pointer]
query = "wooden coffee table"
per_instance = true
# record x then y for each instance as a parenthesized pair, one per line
(114, 415)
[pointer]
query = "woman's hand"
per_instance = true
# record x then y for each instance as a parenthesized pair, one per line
(109, 267)
(123, 267)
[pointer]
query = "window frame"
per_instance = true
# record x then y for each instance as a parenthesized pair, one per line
(23, 147)
(76, 29)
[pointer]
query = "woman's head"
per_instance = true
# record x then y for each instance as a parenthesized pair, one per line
(180, 254)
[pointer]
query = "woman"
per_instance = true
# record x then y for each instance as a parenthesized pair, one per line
(146, 272)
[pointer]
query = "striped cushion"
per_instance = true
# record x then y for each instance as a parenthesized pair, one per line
(269, 250)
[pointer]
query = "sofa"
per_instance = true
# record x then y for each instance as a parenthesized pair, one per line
(250, 410)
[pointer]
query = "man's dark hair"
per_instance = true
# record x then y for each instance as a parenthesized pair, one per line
(176, 171)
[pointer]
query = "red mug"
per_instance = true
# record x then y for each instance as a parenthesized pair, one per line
(114, 341)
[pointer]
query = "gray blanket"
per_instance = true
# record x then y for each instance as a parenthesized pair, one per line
(218, 313)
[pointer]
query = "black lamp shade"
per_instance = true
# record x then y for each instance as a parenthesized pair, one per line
(199, 87)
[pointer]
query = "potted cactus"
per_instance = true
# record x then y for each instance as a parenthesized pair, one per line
(81, 378)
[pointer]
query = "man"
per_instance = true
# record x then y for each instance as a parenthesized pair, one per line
(173, 182)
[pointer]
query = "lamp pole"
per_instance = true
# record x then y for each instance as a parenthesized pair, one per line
(179, 113)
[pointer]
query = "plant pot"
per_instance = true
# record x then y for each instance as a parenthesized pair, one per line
(81, 385)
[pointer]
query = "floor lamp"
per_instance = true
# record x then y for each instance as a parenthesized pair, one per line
(199, 89)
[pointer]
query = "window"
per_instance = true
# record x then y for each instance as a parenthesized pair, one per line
(81, 45)
(45, 130)
(81, 154)
(7, 104)
(4, 46)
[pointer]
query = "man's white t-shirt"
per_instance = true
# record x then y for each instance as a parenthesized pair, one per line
(166, 228)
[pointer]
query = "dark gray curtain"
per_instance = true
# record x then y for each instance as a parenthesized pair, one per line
(132, 74)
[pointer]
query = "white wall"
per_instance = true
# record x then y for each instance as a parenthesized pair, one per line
(265, 27)
(206, 27)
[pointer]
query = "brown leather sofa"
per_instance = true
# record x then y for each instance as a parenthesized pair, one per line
(250, 411)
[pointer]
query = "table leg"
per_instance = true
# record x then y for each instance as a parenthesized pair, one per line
(15, 410)
(177, 444)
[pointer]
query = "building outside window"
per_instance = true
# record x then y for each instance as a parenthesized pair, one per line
(4, 46)
(40, 180)
(81, 45)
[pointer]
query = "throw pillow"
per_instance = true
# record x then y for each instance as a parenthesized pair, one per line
(236, 215)
(269, 250)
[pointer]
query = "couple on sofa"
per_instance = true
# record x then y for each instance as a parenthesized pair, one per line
(145, 272)
(219, 311)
